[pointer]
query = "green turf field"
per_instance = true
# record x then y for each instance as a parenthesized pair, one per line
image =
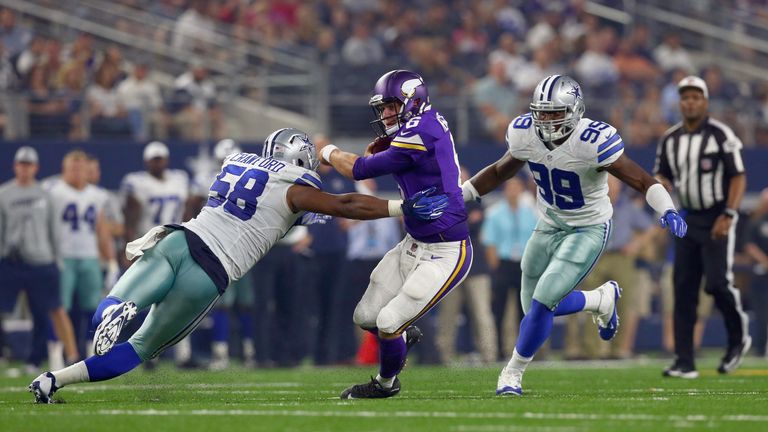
(611, 396)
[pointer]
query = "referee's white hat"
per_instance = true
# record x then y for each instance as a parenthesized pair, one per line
(692, 81)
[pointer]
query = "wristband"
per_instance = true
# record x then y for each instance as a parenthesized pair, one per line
(469, 192)
(326, 153)
(731, 213)
(658, 198)
(395, 207)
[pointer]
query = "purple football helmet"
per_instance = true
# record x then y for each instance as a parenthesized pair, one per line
(402, 86)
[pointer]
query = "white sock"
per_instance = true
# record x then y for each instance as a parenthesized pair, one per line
(76, 373)
(519, 362)
(220, 350)
(385, 382)
(249, 350)
(592, 300)
(183, 350)
(55, 355)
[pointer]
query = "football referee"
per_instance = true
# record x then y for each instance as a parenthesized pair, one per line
(702, 158)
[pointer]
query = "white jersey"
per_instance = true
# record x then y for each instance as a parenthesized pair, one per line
(572, 189)
(77, 211)
(247, 210)
(203, 179)
(113, 210)
(162, 200)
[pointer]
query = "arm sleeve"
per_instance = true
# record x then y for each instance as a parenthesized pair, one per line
(392, 160)
(53, 229)
(661, 166)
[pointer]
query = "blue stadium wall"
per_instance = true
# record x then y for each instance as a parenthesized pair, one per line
(119, 158)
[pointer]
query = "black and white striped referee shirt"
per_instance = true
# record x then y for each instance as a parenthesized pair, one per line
(701, 164)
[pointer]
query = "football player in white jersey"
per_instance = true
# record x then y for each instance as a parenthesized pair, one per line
(85, 239)
(181, 271)
(570, 158)
(156, 196)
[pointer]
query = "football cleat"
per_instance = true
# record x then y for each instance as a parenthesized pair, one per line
(371, 390)
(510, 382)
(115, 318)
(412, 337)
(679, 370)
(608, 317)
(43, 387)
(734, 356)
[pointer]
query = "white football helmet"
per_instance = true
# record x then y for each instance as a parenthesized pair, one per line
(556, 93)
(224, 148)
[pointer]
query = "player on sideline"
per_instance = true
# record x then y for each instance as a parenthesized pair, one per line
(182, 270)
(570, 158)
(415, 146)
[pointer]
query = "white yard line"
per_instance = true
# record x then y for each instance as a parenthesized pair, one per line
(83, 387)
(630, 417)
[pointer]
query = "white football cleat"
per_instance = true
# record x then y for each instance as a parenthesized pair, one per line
(510, 382)
(608, 316)
(115, 318)
(43, 387)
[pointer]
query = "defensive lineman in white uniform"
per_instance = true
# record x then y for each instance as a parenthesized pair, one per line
(570, 158)
(181, 273)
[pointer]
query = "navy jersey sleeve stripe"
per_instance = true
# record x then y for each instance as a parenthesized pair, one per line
(608, 143)
(312, 180)
(610, 152)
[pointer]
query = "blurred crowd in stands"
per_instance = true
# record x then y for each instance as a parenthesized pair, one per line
(483, 54)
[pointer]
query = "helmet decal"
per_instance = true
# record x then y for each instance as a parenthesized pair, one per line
(292, 146)
(409, 87)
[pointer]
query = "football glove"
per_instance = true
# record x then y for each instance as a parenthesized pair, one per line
(676, 224)
(311, 218)
(425, 206)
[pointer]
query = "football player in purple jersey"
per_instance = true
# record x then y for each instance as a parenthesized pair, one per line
(415, 146)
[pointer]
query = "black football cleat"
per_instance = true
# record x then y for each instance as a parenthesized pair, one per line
(371, 390)
(412, 337)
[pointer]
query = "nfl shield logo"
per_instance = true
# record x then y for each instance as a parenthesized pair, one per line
(706, 164)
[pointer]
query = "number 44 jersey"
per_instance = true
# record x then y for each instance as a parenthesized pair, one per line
(572, 184)
(247, 210)
(77, 211)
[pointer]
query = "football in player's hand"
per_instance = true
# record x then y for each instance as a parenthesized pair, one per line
(378, 145)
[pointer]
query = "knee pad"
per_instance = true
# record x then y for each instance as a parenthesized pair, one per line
(552, 287)
(388, 321)
(364, 317)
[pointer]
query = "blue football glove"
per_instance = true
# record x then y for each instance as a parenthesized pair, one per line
(425, 206)
(674, 222)
(311, 218)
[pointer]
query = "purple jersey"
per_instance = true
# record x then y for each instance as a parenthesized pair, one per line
(420, 156)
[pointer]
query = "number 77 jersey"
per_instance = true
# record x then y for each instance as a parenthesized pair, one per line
(572, 184)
